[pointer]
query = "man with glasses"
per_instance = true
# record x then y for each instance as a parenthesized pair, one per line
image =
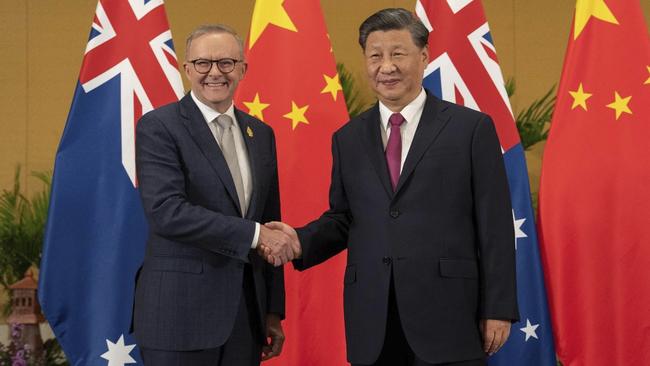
(207, 174)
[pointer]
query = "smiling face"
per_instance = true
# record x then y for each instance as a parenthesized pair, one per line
(395, 67)
(215, 88)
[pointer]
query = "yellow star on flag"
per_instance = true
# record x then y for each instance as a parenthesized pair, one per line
(585, 9)
(256, 107)
(580, 97)
(620, 104)
(269, 12)
(297, 115)
(333, 85)
(648, 81)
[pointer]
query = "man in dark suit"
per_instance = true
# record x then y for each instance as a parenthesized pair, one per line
(420, 199)
(207, 174)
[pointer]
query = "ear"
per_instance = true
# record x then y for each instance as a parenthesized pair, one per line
(244, 68)
(425, 54)
(186, 67)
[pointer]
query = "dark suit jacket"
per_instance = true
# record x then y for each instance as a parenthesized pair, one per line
(189, 286)
(446, 233)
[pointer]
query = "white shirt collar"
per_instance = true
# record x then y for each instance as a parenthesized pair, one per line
(408, 112)
(210, 114)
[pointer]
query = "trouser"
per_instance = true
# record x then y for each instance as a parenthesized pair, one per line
(243, 347)
(396, 350)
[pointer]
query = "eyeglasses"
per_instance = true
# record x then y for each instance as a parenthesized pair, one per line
(225, 65)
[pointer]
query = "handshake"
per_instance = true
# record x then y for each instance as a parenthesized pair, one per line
(278, 243)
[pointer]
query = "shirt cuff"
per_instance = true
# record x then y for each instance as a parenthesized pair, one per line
(256, 236)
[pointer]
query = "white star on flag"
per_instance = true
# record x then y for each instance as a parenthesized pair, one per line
(518, 232)
(529, 329)
(118, 353)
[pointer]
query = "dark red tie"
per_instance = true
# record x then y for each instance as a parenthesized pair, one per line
(394, 148)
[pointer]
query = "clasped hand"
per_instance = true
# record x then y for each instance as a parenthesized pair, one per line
(278, 243)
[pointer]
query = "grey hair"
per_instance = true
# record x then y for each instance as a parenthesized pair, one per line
(212, 29)
(394, 19)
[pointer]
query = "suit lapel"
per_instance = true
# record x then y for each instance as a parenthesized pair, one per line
(433, 119)
(253, 159)
(371, 137)
(201, 133)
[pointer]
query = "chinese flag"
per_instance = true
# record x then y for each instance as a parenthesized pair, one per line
(292, 84)
(595, 190)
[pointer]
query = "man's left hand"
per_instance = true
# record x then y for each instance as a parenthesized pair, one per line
(495, 333)
(275, 333)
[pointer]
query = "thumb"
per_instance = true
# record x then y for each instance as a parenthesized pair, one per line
(275, 225)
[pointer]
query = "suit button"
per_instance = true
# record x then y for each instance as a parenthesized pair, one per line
(394, 213)
(386, 260)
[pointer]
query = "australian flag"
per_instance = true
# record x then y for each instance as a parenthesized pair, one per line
(96, 230)
(464, 69)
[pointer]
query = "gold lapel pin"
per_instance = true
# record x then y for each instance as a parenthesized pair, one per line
(249, 131)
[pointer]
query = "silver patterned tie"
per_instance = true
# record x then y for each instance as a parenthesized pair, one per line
(227, 143)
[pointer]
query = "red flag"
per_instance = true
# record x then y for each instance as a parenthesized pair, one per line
(595, 190)
(292, 84)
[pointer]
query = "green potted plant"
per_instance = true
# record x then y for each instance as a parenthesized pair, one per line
(22, 227)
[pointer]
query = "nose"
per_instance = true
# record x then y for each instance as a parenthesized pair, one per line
(214, 70)
(387, 66)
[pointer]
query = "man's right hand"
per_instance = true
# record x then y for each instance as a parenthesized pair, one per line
(294, 244)
(275, 246)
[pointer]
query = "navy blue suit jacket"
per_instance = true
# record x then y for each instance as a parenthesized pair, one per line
(189, 286)
(445, 235)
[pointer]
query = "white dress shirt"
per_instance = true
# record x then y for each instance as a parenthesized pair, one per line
(210, 116)
(411, 113)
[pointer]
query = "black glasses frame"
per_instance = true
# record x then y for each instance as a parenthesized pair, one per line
(225, 65)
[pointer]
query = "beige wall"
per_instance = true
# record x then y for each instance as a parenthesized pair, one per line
(42, 43)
